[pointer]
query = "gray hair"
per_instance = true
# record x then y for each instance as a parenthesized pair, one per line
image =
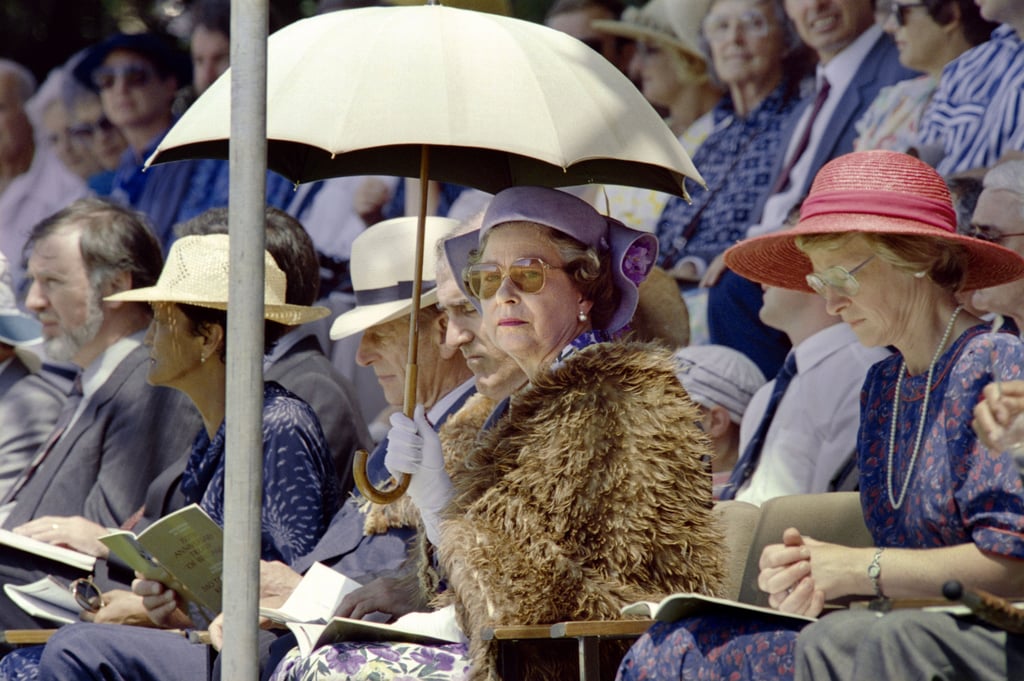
(26, 81)
(1008, 176)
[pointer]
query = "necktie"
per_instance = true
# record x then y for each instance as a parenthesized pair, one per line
(63, 419)
(752, 453)
(805, 138)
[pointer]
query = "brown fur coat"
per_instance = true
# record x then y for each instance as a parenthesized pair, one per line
(588, 495)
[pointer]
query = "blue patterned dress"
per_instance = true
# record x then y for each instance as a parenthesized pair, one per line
(958, 492)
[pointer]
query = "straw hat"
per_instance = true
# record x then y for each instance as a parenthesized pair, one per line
(876, 192)
(16, 327)
(675, 23)
(196, 273)
(382, 262)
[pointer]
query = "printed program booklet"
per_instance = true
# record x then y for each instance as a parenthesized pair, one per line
(680, 605)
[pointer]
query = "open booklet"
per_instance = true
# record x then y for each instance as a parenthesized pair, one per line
(48, 598)
(309, 611)
(182, 550)
(75, 559)
(680, 605)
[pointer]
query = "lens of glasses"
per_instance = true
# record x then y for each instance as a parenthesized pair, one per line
(134, 75)
(484, 279)
(87, 594)
(87, 130)
(752, 23)
(835, 278)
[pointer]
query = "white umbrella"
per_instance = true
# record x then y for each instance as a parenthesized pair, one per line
(439, 93)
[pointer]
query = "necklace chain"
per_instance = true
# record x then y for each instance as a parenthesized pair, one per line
(896, 503)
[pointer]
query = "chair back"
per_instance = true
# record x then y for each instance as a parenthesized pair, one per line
(737, 521)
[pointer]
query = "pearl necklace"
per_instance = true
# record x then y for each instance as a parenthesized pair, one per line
(896, 503)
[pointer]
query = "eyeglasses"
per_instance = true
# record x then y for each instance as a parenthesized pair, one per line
(134, 75)
(646, 50)
(900, 11)
(87, 594)
(527, 274)
(85, 131)
(837, 278)
(752, 23)
(991, 234)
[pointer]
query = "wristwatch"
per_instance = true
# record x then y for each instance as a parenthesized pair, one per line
(875, 572)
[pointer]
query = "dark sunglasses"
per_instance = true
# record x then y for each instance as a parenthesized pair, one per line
(87, 594)
(134, 75)
(85, 131)
(527, 274)
(900, 11)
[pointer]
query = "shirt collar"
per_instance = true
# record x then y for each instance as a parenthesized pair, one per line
(446, 402)
(97, 373)
(818, 347)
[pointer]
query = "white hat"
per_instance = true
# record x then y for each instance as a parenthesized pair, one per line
(382, 264)
(196, 273)
(669, 22)
(716, 375)
(16, 327)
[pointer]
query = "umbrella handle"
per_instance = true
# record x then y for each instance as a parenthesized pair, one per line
(366, 487)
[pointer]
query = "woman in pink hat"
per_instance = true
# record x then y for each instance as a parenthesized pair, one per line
(877, 240)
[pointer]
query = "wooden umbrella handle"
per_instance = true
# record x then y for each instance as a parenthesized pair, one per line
(366, 487)
(997, 611)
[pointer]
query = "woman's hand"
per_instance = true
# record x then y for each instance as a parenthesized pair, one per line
(415, 448)
(787, 575)
(120, 607)
(163, 606)
(998, 408)
(395, 597)
(74, 532)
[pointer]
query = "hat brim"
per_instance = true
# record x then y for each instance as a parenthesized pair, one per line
(289, 315)
(775, 260)
(625, 29)
(363, 317)
(457, 250)
(148, 45)
(17, 329)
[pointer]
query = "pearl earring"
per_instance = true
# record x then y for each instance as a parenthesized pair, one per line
(202, 359)
(582, 316)
(921, 275)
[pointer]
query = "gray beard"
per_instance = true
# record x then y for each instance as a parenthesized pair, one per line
(64, 347)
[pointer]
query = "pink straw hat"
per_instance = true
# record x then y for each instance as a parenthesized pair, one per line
(880, 192)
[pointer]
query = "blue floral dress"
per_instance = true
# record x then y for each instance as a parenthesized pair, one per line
(300, 492)
(958, 491)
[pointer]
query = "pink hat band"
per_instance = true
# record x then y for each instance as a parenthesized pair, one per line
(930, 211)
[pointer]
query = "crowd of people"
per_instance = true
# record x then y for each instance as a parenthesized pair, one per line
(838, 308)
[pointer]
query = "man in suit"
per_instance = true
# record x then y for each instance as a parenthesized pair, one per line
(855, 60)
(29, 402)
(117, 432)
(382, 263)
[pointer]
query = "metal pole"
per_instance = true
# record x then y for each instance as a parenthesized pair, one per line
(244, 427)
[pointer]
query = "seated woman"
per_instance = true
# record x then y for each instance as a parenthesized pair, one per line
(929, 35)
(587, 489)
(877, 239)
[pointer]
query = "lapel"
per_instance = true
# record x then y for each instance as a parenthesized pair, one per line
(14, 372)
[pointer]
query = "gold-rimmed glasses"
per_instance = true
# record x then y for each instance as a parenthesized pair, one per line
(839, 279)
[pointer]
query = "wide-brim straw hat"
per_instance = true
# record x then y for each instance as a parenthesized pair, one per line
(872, 192)
(196, 273)
(382, 264)
(675, 23)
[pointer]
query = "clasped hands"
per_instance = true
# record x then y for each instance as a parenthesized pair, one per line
(796, 574)
(415, 448)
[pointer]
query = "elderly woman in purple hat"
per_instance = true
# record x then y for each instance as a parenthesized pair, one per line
(587, 489)
(877, 239)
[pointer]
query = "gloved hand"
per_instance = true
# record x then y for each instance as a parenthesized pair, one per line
(415, 448)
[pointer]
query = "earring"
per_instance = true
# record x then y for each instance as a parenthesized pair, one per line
(582, 316)
(202, 359)
(921, 275)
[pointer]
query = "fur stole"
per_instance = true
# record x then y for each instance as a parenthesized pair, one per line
(591, 493)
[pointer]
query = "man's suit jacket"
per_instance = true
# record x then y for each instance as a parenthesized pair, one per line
(29, 407)
(101, 467)
(345, 548)
(880, 68)
(305, 370)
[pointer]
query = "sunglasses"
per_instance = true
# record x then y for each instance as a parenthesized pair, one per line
(133, 75)
(85, 131)
(753, 24)
(900, 11)
(87, 594)
(527, 274)
(838, 279)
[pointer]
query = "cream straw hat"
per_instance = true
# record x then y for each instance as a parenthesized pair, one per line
(196, 273)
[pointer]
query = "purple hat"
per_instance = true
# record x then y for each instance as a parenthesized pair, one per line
(632, 252)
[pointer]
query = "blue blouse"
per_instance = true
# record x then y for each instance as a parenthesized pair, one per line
(300, 488)
(737, 161)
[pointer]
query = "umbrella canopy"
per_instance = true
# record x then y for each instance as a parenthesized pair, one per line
(501, 102)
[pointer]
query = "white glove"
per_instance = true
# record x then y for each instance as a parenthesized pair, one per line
(415, 448)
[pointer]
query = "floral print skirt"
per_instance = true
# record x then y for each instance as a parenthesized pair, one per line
(376, 662)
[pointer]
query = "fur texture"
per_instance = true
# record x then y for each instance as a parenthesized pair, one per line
(591, 493)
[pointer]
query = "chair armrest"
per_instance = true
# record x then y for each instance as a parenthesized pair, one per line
(601, 628)
(514, 632)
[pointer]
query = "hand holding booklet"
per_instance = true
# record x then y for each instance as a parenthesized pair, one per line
(680, 605)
